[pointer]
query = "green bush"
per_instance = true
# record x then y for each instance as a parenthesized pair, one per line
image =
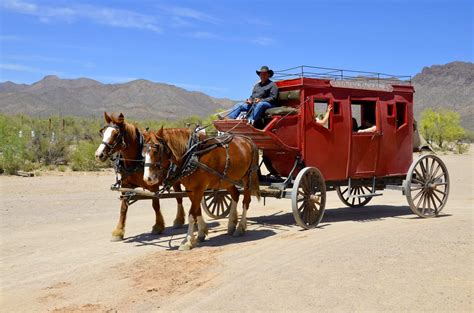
(83, 158)
(441, 128)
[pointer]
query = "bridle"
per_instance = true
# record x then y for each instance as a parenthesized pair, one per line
(166, 151)
(119, 140)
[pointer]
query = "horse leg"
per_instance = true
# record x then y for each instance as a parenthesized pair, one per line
(234, 193)
(202, 228)
(243, 220)
(179, 220)
(159, 226)
(119, 231)
(190, 240)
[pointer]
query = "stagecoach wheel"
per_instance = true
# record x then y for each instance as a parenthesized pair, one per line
(217, 204)
(344, 193)
(308, 197)
(427, 186)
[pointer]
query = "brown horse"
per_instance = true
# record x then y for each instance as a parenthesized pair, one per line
(126, 138)
(237, 159)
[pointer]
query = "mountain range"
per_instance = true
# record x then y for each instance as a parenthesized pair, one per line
(140, 99)
(449, 86)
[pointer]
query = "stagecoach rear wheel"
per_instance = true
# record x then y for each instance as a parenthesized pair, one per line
(216, 204)
(356, 202)
(308, 197)
(427, 186)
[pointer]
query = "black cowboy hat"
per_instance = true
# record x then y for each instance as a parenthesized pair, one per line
(265, 69)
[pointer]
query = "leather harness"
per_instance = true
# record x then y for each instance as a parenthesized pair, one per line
(191, 163)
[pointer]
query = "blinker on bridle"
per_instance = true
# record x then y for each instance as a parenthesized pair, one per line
(161, 156)
(119, 140)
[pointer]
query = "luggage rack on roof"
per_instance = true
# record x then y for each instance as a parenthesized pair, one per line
(340, 74)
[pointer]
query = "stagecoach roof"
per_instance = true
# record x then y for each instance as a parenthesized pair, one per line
(305, 71)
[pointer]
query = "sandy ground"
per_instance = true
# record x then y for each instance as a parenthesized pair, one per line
(56, 254)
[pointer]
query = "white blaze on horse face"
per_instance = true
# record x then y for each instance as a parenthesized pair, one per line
(146, 170)
(106, 138)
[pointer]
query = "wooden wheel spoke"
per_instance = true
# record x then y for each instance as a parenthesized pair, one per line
(419, 176)
(418, 194)
(441, 192)
(421, 198)
(423, 169)
(435, 172)
(416, 180)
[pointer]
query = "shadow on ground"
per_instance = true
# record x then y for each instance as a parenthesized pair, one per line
(261, 227)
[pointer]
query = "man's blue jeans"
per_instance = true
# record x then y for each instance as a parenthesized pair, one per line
(257, 111)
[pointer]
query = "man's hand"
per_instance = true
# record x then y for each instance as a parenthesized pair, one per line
(249, 101)
(257, 100)
(330, 107)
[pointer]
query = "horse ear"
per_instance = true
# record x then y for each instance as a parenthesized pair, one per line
(160, 132)
(120, 119)
(107, 118)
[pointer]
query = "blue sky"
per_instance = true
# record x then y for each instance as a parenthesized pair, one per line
(215, 46)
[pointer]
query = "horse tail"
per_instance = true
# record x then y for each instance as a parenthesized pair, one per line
(254, 183)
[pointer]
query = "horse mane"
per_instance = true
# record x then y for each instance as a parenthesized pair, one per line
(177, 140)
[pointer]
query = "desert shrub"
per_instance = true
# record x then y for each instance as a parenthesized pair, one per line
(83, 157)
(441, 128)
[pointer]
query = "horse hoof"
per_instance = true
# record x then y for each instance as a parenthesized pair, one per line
(231, 230)
(116, 238)
(157, 230)
(185, 247)
(201, 238)
(177, 224)
(238, 233)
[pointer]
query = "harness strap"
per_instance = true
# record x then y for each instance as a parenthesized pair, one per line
(214, 172)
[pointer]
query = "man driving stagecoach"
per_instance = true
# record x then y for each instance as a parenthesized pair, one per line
(264, 96)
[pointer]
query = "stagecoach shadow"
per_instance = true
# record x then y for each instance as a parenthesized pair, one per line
(369, 213)
(416, 217)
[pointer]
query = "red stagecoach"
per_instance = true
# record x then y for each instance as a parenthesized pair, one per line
(365, 146)
(313, 158)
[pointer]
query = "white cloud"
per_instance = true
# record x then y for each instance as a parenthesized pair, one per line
(11, 38)
(263, 41)
(189, 13)
(96, 14)
(25, 68)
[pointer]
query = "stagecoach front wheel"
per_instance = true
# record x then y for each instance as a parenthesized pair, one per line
(308, 197)
(427, 186)
(216, 204)
(358, 191)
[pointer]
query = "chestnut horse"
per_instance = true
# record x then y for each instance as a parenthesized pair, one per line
(222, 165)
(125, 138)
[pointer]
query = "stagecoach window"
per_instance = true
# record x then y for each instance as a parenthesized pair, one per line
(320, 109)
(401, 114)
(363, 116)
(390, 110)
(336, 108)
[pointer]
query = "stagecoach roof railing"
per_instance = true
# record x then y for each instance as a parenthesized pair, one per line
(340, 74)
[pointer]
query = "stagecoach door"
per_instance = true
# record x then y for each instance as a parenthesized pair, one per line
(365, 139)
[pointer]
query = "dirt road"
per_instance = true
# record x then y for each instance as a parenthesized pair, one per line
(56, 254)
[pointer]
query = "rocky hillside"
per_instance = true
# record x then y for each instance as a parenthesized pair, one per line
(140, 99)
(449, 86)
